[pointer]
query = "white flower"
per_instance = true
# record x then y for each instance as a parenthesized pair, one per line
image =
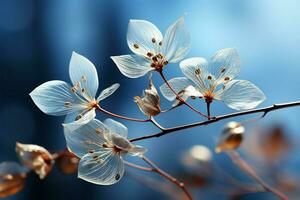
(100, 147)
(153, 51)
(149, 104)
(215, 81)
(78, 102)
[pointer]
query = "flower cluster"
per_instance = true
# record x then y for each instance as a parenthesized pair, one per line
(102, 145)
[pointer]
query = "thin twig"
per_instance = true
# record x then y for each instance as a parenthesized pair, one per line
(264, 110)
(236, 158)
(122, 117)
(178, 97)
(159, 171)
(156, 124)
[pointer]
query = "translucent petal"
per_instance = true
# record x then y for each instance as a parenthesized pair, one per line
(103, 167)
(108, 91)
(11, 168)
(137, 150)
(120, 142)
(86, 139)
(83, 72)
(178, 84)
(55, 98)
(241, 94)
(176, 42)
(225, 64)
(132, 66)
(143, 37)
(84, 119)
(196, 69)
(116, 127)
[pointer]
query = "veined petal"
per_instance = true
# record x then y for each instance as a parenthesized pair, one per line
(54, 98)
(143, 37)
(116, 127)
(196, 69)
(103, 167)
(241, 94)
(137, 150)
(176, 42)
(83, 73)
(225, 64)
(108, 91)
(86, 139)
(132, 66)
(178, 84)
(80, 120)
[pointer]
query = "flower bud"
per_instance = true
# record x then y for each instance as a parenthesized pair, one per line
(35, 158)
(12, 178)
(231, 138)
(67, 164)
(149, 104)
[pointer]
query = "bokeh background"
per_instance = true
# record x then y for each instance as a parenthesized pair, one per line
(38, 37)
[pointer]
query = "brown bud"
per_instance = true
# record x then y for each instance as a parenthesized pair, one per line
(12, 178)
(67, 163)
(36, 158)
(231, 138)
(149, 104)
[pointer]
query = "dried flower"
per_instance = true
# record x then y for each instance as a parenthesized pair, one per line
(231, 138)
(215, 81)
(149, 104)
(67, 164)
(36, 158)
(153, 51)
(100, 147)
(77, 102)
(12, 178)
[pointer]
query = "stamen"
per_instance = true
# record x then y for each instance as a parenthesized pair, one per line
(91, 151)
(153, 65)
(198, 71)
(83, 90)
(78, 117)
(95, 157)
(67, 104)
(166, 62)
(226, 78)
(99, 131)
(149, 54)
(222, 69)
(117, 177)
(104, 145)
(136, 46)
(160, 43)
(209, 77)
(159, 56)
(83, 78)
(153, 40)
(73, 89)
(154, 58)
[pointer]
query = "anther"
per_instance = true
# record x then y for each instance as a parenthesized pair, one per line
(73, 89)
(136, 46)
(83, 90)
(67, 104)
(222, 69)
(153, 40)
(154, 58)
(91, 151)
(95, 157)
(149, 54)
(159, 56)
(198, 71)
(99, 131)
(166, 62)
(83, 78)
(226, 78)
(209, 77)
(160, 43)
(78, 117)
(153, 65)
(117, 177)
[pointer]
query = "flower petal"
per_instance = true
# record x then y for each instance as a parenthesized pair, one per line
(196, 69)
(86, 139)
(143, 37)
(176, 42)
(103, 167)
(116, 127)
(83, 72)
(179, 85)
(241, 94)
(137, 150)
(225, 64)
(84, 119)
(132, 66)
(54, 98)
(108, 91)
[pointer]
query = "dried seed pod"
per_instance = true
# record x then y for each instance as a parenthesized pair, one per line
(149, 104)
(12, 178)
(36, 158)
(231, 137)
(67, 164)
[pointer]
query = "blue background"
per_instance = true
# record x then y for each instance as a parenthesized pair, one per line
(38, 37)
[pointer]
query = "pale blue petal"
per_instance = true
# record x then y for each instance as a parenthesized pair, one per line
(87, 138)
(241, 94)
(143, 37)
(55, 98)
(11, 168)
(116, 127)
(83, 72)
(137, 150)
(196, 69)
(108, 91)
(80, 120)
(132, 66)
(178, 84)
(225, 64)
(176, 42)
(103, 167)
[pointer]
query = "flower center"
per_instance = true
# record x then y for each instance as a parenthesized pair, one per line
(158, 61)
